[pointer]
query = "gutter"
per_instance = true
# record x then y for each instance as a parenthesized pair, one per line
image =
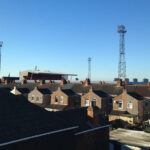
(38, 135)
(93, 129)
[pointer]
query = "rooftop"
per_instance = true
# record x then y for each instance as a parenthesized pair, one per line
(110, 89)
(130, 137)
(46, 72)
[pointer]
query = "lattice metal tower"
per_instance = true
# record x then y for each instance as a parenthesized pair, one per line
(122, 61)
(1, 43)
(89, 68)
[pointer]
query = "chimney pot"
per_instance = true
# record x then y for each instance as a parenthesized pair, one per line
(87, 82)
(63, 81)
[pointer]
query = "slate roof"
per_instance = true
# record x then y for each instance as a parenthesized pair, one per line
(110, 89)
(68, 92)
(121, 113)
(23, 90)
(101, 93)
(135, 95)
(44, 91)
(59, 107)
(117, 112)
(20, 118)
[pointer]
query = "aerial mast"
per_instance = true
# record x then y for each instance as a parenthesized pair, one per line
(122, 61)
(1, 43)
(89, 68)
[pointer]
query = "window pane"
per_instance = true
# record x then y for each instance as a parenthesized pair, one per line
(86, 102)
(37, 98)
(129, 105)
(93, 102)
(32, 98)
(56, 99)
(120, 104)
(61, 99)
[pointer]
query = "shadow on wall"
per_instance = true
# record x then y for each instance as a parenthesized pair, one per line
(116, 145)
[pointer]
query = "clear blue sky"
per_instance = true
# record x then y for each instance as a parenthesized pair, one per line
(60, 35)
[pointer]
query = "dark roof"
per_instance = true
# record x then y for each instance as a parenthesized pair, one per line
(44, 91)
(110, 89)
(135, 95)
(19, 118)
(58, 107)
(107, 88)
(121, 113)
(68, 92)
(23, 90)
(117, 112)
(101, 93)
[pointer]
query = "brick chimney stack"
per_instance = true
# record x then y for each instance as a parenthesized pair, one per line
(93, 115)
(23, 81)
(81, 82)
(119, 82)
(63, 81)
(6, 81)
(100, 82)
(42, 82)
(148, 84)
(87, 82)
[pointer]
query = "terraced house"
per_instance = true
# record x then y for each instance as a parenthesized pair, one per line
(64, 99)
(39, 96)
(130, 107)
(96, 98)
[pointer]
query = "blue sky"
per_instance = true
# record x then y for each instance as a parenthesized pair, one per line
(60, 35)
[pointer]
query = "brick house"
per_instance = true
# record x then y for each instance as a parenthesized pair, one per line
(64, 99)
(96, 98)
(128, 106)
(39, 96)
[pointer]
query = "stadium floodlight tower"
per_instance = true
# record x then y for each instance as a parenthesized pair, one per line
(89, 68)
(122, 61)
(1, 43)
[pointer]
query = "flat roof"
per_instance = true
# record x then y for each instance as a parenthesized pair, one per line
(46, 72)
(131, 137)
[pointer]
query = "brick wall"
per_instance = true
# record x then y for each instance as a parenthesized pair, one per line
(58, 94)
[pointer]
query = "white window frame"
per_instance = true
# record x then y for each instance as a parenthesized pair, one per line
(56, 97)
(38, 98)
(61, 99)
(118, 104)
(32, 97)
(87, 104)
(129, 105)
(93, 99)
